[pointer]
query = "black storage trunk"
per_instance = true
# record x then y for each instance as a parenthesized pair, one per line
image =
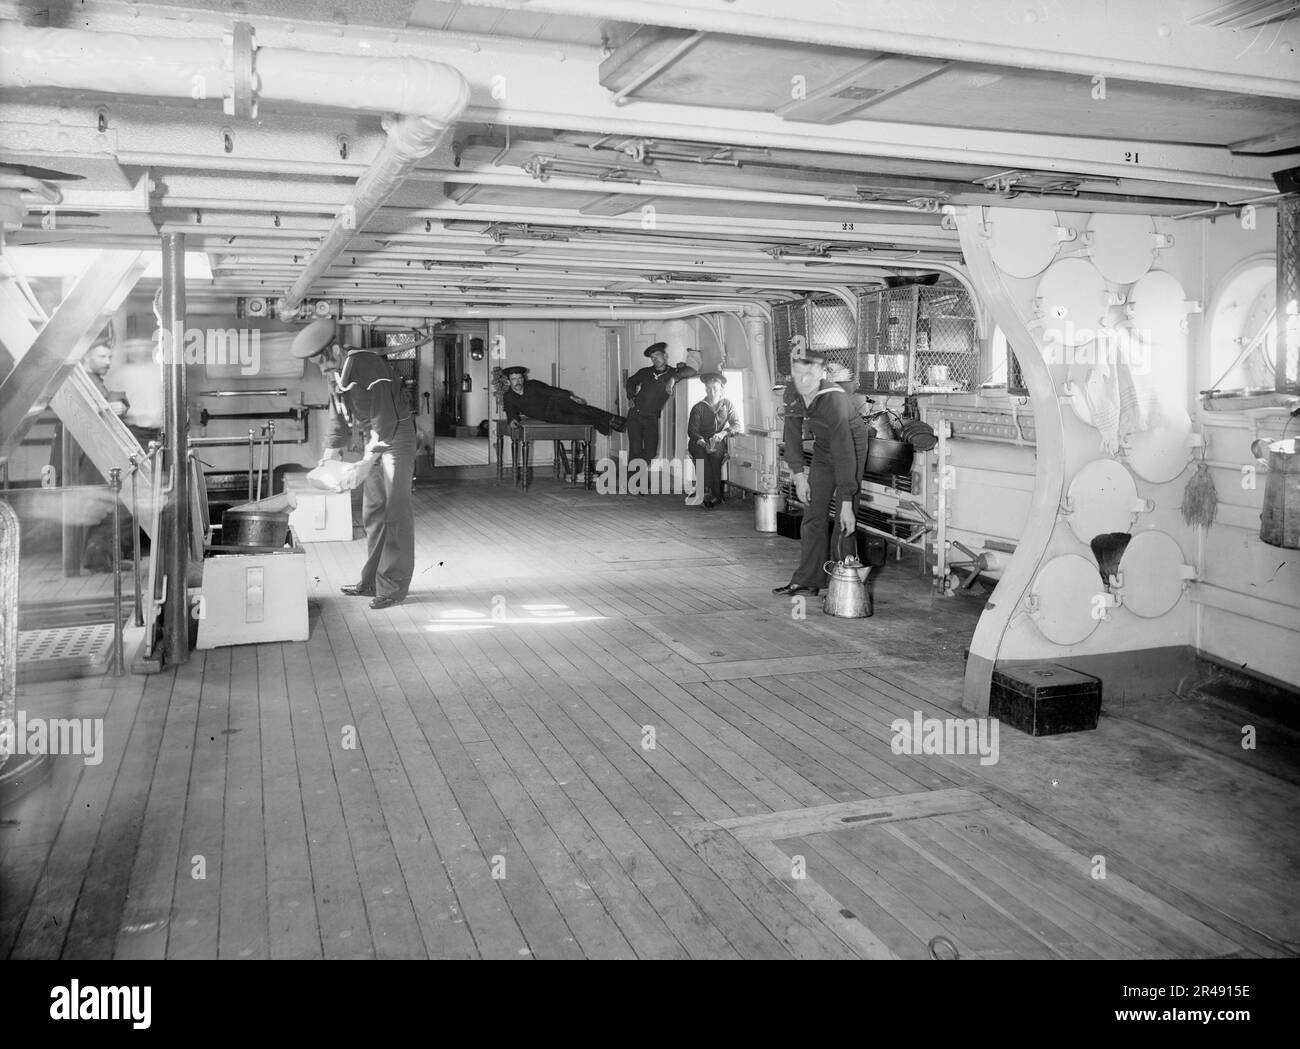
(787, 524)
(1045, 699)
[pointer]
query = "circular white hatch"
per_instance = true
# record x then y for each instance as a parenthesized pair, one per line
(1151, 572)
(1022, 241)
(1160, 454)
(1102, 499)
(1072, 295)
(1122, 247)
(1065, 589)
(1157, 305)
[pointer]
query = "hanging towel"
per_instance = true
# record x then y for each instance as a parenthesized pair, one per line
(1102, 394)
(1139, 401)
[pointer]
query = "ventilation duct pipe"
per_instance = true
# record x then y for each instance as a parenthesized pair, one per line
(541, 312)
(427, 97)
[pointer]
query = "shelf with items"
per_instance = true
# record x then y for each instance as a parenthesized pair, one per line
(916, 339)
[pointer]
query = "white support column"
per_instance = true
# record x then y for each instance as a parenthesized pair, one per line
(756, 330)
(1049, 479)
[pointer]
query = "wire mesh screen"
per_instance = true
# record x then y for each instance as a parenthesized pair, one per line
(947, 351)
(831, 328)
(406, 364)
(788, 320)
(918, 339)
(1287, 342)
(1015, 374)
(886, 320)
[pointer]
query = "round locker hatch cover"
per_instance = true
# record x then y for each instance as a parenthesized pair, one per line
(1157, 305)
(1022, 241)
(1102, 496)
(1151, 571)
(1073, 298)
(1123, 246)
(1065, 588)
(1160, 454)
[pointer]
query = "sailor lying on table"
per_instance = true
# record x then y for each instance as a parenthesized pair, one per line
(536, 400)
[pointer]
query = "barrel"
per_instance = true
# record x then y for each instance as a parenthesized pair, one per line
(765, 511)
(1279, 521)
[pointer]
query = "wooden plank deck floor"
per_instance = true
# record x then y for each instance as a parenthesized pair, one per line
(593, 732)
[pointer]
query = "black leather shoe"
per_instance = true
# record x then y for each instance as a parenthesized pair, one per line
(790, 589)
(386, 602)
(358, 590)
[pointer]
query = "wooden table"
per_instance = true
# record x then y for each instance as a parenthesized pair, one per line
(526, 431)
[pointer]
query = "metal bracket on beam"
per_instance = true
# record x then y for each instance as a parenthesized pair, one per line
(241, 103)
(542, 166)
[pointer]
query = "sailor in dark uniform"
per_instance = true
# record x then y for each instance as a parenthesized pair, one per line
(648, 391)
(369, 395)
(835, 474)
(536, 400)
(711, 422)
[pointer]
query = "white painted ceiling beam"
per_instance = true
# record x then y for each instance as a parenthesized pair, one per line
(1146, 40)
(548, 93)
(411, 222)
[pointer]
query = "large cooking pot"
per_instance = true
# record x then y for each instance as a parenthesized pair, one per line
(888, 457)
(254, 528)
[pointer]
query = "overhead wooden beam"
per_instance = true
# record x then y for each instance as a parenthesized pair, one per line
(883, 77)
(1273, 142)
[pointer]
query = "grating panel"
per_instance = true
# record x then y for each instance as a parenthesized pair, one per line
(947, 352)
(85, 643)
(887, 320)
(1287, 364)
(1016, 382)
(831, 328)
(788, 320)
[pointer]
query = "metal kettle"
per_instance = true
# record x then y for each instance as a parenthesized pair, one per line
(848, 595)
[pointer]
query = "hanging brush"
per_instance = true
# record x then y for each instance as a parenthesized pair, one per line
(1200, 498)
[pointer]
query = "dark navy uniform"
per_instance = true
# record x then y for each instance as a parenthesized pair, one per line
(706, 421)
(372, 398)
(553, 404)
(839, 456)
(647, 393)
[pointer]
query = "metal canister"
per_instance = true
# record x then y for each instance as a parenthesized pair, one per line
(254, 528)
(1279, 520)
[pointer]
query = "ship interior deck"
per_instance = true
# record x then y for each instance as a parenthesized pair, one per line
(593, 731)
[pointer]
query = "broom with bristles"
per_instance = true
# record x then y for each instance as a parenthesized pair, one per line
(1200, 498)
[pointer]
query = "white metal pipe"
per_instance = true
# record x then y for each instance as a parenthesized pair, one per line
(652, 188)
(542, 312)
(428, 97)
(190, 68)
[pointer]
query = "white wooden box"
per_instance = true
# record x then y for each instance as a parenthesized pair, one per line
(248, 599)
(321, 517)
(752, 463)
